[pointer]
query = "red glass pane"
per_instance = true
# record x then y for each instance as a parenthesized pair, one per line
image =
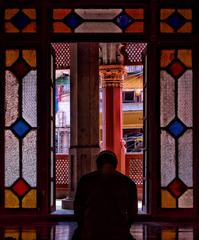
(176, 69)
(20, 187)
(177, 188)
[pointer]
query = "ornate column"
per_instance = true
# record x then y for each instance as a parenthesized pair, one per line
(84, 144)
(112, 77)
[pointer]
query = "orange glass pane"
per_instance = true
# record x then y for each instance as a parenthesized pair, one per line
(166, 57)
(59, 14)
(165, 13)
(11, 200)
(136, 13)
(29, 234)
(165, 28)
(30, 28)
(168, 201)
(186, 28)
(14, 233)
(185, 55)
(60, 27)
(30, 57)
(186, 13)
(31, 13)
(9, 27)
(136, 27)
(30, 199)
(11, 57)
(9, 13)
(168, 235)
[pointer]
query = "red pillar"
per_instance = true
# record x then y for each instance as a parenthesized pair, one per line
(112, 77)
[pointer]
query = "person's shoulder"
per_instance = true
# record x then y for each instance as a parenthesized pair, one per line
(89, 176)
(125, 178)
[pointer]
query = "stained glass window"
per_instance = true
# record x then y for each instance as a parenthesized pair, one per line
(176, 128)
(20, 20)
(20, 129)
(176, 20)
(98, 20)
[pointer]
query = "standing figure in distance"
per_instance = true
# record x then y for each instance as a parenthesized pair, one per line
(105, 203)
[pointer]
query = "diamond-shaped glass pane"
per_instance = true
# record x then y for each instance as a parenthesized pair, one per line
(176, 21)
(20, 68)
(176, 69)
(123, 20)
(20, 187)
(20, 128)
(176, 128)
(73, 20)
(20, 20)
(177, 187)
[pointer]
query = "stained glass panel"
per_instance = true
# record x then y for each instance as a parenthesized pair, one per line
(11, 158)
(30, 200)
(176, 123)
(168, 201)
(98, 20)
(11, 200)
(20, 20)
(29, 157)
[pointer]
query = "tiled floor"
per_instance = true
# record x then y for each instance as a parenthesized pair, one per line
(64, 230)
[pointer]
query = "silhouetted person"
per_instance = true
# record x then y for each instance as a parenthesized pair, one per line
(105, 203)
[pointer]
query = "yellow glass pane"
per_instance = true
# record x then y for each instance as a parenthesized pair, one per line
(30, 199)
(11, 57)
(30, 57)
(136, 13)
(59, 27)
(165, 28)
(185, 56)
(186, 28)
(165, 13)
(186, 13)
(136, 27)
(166, 57)
(59, 14)
(9, 13)
(14, 233)
(11, 200)
(31, 13)
(168, 201)
(29, 234)
(168, 235)
(9, 27)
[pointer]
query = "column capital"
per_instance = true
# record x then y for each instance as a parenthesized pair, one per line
(112, 75)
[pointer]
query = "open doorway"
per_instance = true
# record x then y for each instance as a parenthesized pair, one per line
(132, 99)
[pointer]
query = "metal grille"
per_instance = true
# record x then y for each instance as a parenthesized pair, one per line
(62, 170)
(134, 166)
(134, 52)
(62, 55)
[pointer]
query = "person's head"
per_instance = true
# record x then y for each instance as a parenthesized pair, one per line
(106, 161)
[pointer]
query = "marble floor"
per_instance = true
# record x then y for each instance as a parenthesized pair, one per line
(64, 231)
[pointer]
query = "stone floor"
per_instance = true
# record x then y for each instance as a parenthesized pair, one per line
(64, 230)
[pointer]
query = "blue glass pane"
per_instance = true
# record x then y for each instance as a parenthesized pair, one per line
(20, 128)
(123, 20)
(73, 20)
(176, 128)
(176, 20)
(20, 20)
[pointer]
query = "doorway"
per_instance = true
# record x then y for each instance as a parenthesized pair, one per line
(132, 99)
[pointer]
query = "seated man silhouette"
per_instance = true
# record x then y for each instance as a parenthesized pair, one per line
(105, 203)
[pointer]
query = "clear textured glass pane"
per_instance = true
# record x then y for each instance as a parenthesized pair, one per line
(185, 158)
(186, 200)
(185, 98)
(29, 158)
(167, 158)
(98, 27)
(11, 98)
(29, 107)
(11, 158)
(98, 13)
(167, 98)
